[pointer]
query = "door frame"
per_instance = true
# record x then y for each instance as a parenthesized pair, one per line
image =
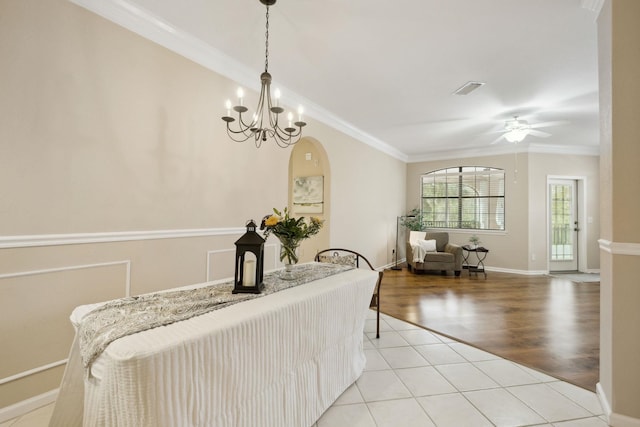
(581, 205)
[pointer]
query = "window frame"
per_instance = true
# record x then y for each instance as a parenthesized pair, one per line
(487, 206)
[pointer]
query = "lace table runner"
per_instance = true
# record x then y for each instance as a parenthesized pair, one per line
(126, 316)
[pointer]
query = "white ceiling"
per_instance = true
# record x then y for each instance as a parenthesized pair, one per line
(385, 71)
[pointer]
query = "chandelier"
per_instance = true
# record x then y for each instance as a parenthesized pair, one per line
(264, 123)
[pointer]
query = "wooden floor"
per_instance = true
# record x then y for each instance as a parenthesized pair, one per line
(549, 324)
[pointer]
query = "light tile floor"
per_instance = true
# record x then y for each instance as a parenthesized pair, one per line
(416, 378)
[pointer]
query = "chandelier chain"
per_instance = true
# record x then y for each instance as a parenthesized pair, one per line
(266, 44)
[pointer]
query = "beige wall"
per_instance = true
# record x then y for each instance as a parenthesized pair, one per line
(619, 67)
(503, 245)
(526, 219)
(103, 132)
(586, 170)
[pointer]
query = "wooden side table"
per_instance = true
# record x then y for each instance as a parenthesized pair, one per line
(481, 254)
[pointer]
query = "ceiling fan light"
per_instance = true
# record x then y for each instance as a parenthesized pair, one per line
(516, 135)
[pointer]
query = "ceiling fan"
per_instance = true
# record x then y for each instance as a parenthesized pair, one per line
(515, 130)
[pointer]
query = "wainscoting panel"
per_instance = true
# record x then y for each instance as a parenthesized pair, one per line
(43, 278)
(36, 333)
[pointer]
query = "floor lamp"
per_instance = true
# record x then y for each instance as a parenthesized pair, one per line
(398, 219)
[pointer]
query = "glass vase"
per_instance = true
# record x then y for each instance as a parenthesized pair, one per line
(289, 256)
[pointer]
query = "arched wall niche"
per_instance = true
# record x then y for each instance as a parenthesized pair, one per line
(309, 159)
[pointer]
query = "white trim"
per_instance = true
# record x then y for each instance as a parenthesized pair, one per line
(23, 374)
(152, 27)
(127, 291)
(209, 253)
(126, 262)
(28, 405)
(604, 403)
(522, 272)
(619, 248)
(612, 418)
(144, 23)
(619, 420)
(9, 242)
(468, 152)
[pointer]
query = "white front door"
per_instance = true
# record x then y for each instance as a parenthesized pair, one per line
(564, 225)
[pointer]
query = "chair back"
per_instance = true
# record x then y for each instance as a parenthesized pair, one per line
(414, 236)
(343, 257)
(353, 258)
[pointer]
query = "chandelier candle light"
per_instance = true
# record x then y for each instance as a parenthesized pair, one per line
(261, 128)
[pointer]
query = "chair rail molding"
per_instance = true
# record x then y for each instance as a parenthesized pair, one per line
(23, 241)
(619, 248)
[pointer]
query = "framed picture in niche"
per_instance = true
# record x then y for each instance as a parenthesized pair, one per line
(308, 194)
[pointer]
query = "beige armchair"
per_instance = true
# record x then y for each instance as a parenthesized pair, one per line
(432, 251)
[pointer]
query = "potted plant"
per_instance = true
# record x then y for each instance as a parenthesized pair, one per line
(413, 220)
(475, 241)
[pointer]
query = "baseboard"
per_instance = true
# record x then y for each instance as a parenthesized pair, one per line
(496, 269)
(613, 419)
(392, 265)
(602, 397)
(618, 420)
(28, 405)
(523, 272)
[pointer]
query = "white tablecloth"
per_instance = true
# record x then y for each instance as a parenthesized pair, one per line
(280, 360)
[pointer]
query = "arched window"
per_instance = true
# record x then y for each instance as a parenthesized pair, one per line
(466, 197)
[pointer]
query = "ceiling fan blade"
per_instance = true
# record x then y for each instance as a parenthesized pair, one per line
(495, 141)
(547, 124)
(539, 133)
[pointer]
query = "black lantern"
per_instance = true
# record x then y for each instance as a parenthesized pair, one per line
(249, 262)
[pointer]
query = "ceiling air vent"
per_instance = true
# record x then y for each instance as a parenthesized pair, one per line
(467, 88)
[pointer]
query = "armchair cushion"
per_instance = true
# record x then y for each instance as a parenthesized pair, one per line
(427, 245)
(438, 257)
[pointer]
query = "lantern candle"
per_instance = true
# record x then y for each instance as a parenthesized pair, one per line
(249, 273)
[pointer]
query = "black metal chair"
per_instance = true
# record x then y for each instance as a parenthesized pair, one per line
(349, 257)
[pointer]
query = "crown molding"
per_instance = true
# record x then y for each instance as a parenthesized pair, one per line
(157, 30)
(506, 149)
(154, 28)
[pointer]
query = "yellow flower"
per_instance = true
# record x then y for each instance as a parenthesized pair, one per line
(271, 221)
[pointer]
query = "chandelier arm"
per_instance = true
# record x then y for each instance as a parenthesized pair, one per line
(245, 129)
(281, 138)
(242, 125)
(288, 138)
(231, 133)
